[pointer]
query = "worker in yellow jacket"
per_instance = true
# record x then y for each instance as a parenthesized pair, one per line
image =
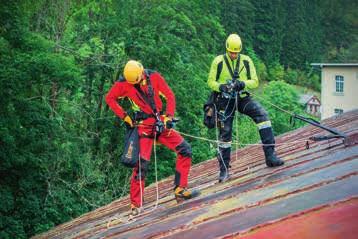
(230, 75)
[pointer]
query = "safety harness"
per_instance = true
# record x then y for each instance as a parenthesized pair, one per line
(149, 98)
(210, 109)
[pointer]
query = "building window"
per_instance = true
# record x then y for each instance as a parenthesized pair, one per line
(338, 111)
(339, 84)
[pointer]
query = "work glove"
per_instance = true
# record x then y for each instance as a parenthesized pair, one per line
(169, 121)
(239, 85)
(128, 121)
(226, 88)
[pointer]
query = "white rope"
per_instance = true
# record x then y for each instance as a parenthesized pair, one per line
(156, 181)
(156, 174)
(241, 144)
(237, 126)
(277, 107)
(217, 140)
(140, 185)
(130, 219)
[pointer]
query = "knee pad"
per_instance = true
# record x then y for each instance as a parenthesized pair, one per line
(184, 149)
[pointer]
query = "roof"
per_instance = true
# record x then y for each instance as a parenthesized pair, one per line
(314, 195)
(333, 64)
(305, 99)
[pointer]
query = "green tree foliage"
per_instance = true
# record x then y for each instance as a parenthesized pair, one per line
(238, 17)
(349, 55)
(33, 133)
(294, 54)
(269, 19)
(276, 72)
(283, 95)
(60, 144)
(339, 20)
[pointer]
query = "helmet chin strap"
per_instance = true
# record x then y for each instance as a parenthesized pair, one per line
(142, 80)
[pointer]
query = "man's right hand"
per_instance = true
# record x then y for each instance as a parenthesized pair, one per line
(128, 120)
(239, 85)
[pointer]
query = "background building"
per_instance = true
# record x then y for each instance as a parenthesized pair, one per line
(312, 104)
(339, 85)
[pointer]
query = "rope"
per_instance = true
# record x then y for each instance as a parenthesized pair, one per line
(156, 181)
(156, 174)
(217, 141)
(141, 208)
(237, 127)
(275, 106)
(220, 157)
(140, 185)
(237, 143)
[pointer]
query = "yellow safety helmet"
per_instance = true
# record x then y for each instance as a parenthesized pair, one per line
(133, 71)
(233, 43)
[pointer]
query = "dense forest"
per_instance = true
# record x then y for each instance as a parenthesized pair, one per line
(59, 142)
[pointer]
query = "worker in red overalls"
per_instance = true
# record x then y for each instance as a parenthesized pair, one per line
(144, 88)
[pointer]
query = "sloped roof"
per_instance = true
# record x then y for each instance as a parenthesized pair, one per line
(305, 99)
(314, 195)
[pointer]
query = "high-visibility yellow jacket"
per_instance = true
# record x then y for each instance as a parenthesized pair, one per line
(246, 68)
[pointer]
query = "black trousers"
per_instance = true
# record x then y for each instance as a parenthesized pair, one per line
(226, 111)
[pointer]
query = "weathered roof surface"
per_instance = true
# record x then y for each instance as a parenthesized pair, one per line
(314, 195)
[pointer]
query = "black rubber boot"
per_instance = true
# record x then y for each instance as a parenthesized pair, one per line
(267, 137)
(224, 164)
(270, 157)
(224, 174)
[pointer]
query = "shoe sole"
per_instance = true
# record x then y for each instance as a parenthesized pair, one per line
(194, 194)
(224, 179)
(271, 165)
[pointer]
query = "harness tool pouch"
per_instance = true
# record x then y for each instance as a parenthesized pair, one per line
(130, 154)
(210, 111)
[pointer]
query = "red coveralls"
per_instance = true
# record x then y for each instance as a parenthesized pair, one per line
(169, 137)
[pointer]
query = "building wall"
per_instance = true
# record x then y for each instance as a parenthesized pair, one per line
(332, 100)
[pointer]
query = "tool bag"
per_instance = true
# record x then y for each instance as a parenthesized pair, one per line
(210, 111)
(130, 154)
